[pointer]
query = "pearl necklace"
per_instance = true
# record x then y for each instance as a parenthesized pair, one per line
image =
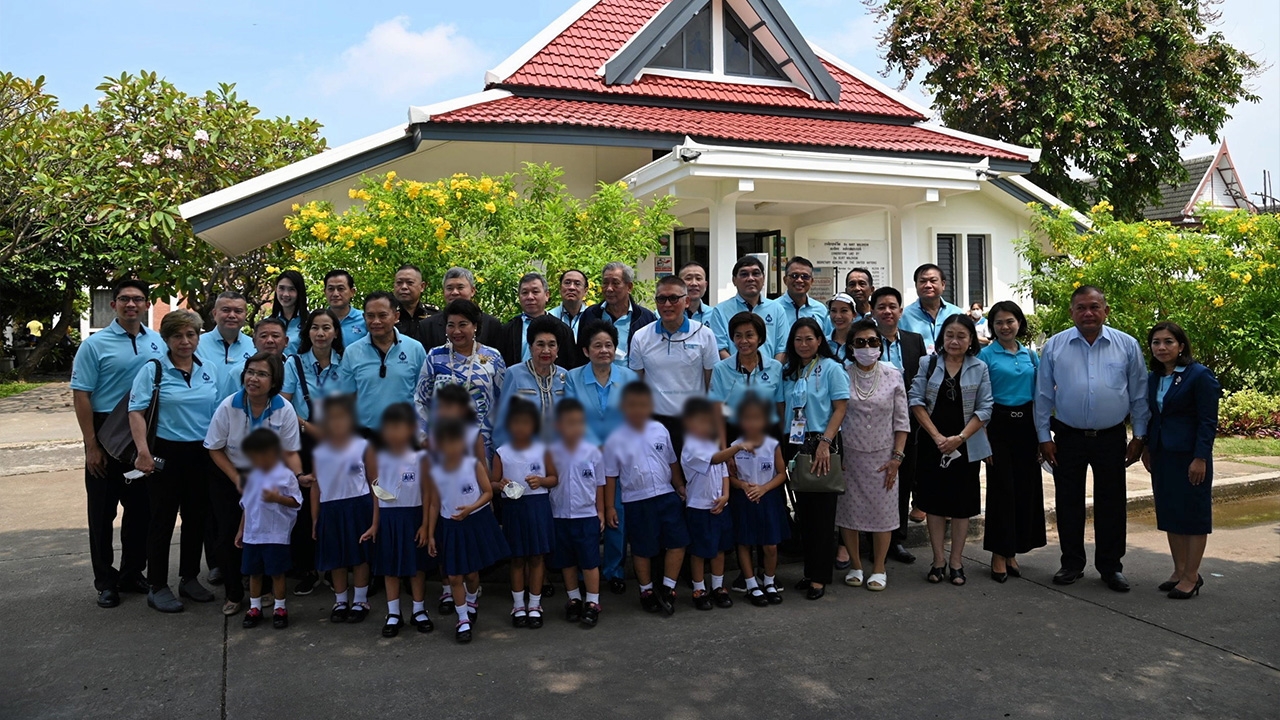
(873, 375)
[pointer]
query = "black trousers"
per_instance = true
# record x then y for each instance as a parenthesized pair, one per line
(816, 518)
(302, 547)
(675, 428)
(182, 488)
(1015, 489)
(1103, 451)
(103, 496)
(906, 483)
(224, 504)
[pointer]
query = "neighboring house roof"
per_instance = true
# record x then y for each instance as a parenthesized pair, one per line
(1210, 179)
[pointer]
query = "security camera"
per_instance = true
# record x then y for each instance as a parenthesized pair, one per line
(689, 154)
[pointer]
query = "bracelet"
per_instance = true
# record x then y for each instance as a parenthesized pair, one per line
(828, 440)
(899, 455)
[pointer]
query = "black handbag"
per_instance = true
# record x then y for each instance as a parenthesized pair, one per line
(115, 435)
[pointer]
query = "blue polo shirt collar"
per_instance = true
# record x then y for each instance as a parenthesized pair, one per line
(240, 401)
(118, 329)
(684, 328)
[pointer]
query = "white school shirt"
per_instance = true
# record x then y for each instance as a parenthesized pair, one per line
(398, 475)
(641, 460)
(580, 475)
(757, 467)
(268, 523)
(674, 364)
(519, 464)
(703, 480)
(340, 473)
(458, 487)
(233, 420)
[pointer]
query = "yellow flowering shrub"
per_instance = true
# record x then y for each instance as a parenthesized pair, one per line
(1221, 282)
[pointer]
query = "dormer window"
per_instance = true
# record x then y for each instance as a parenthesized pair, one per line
(742, 52)
(691, 48)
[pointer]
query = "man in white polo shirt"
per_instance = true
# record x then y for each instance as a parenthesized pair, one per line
(674, 357)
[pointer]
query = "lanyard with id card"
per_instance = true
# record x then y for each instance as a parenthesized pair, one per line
(799, 392)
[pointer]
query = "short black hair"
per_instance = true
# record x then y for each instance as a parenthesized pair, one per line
(230, 295)
(637, 387)
(262, 440)
(569, 405)
(466, 309)
(1084, 289)
(134, 283)
(881, 292)
(747, 261)
(272, 320)
(340, 273)
(915, 276)
(747, 318)
(752, 399)
(1011, 307)
(401, 412)
(381, 295)
(1184, 358)
(967, 322)
(695, 406)
(448, 429)
(588, 333)
(530, 277)
(798, 260)
(565, 274)
(519, 407)
(692, 263)
(411, 266)
(672, 281)
(543, 325)
(870, 278)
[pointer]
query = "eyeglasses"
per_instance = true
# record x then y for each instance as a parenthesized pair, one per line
(130, 299)
(801, 277)
(669, 299)
(748, 274)
(257, 374)
(866, 342)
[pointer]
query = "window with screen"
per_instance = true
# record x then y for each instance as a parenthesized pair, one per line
(690, 49)
(947, 261)
(975, 247)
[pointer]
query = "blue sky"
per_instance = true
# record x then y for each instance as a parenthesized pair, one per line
(357, 67)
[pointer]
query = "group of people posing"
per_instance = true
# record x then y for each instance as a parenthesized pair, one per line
(406, 442)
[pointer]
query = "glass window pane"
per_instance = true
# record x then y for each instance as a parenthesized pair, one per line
(671, 56)
(697, 41)
(737, 46)
(762, 65)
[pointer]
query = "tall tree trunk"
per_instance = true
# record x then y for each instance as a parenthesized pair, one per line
(67, 316)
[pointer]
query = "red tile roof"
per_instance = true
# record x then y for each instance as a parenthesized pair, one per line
(709, 124)
(571, 60)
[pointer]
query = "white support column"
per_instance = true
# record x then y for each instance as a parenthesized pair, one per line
(909, 243)
(723, 241)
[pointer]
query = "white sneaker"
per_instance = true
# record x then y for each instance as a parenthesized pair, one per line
(854, 578)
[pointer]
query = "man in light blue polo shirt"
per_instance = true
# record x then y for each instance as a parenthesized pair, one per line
(793, 305)
(339, 289)
(382, 367)
(225, 344)
(924, 316)
(101, 375)
(269, 335)
(694, 276)
(748, 278)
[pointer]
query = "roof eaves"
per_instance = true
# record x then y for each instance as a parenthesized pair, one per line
(1032, 154)
(823, 86)
(424, 113)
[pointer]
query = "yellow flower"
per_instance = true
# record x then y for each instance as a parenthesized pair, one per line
(1134, 247)
(391, 174)
(273, 270)
(386, 185)
(1075, 284)
(351, 244)
(296, 207)
(479, 279)
(353, 193)
(414, 190)
(440, 232)
(458, 194)
(1173, 244)
(1101, 207)
(513, 194)
(1235, 276)
(486, 185)
(1218, 301)
(320, 231)
(380, 241)
(491, 207)
(1247, 278)
(299, 255)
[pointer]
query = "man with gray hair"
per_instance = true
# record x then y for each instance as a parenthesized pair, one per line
(514, 345)
(460, 284)
(618, 308)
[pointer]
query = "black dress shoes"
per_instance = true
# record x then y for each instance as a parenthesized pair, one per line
(136, 584)
(108, 598)
(1116, 581)
(617, 586)
(901, 554)
(1066, 577)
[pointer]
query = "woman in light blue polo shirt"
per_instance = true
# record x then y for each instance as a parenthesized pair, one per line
(815, 388)
(290, 305)
(1015, 490)
(746, 371)
(189, 394)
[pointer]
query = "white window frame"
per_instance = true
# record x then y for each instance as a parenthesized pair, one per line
(960, 279)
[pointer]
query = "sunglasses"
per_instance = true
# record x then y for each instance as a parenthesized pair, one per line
(669, 299)
(866, 342)
(802, 277)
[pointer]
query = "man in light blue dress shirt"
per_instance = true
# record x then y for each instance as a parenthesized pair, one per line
(925, 315)
(1091, 378)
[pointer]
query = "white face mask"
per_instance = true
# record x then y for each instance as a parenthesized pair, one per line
(976, 314)
(866, 356)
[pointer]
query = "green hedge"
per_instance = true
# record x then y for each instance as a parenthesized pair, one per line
(1249, 413)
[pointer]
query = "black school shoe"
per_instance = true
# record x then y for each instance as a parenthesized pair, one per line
(721, 598)
(422, 621)
(340, 613)
(771, 595)
(463, 633)
(667, 600)
(519, 617)
(590, 615)
(251, 619)
(535, 618)
(617, 586)
(649, 601)
(391, 629)
(280, 619)
(357, 613)
(573, 610)
(702, 600)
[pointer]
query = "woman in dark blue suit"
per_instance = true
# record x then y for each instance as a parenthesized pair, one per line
(1183, 396)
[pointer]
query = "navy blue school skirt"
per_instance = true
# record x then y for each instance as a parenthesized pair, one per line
(396, 553)
(338, 531)
(763, 523)
(709, 535)
(470, 545)
(527, 524)
(267, 559)
(577, 543)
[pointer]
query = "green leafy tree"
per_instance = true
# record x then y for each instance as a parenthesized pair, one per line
(499, 227)
(1114, 88)
(1221, 283)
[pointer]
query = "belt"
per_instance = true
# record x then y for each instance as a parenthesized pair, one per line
(1059, 426)
(1016, 412)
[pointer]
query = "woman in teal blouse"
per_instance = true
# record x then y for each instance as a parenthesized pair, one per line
(746, 371)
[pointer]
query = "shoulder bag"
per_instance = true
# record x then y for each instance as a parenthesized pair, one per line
(115, 435)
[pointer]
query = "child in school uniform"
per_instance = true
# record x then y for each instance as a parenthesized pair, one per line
(403, 503)
(641, 464)
(271, 498)
(523, 472)
(463, 535)
(706, 496)
(344, 514)
(577, 506)
(756, 498)
(453, 402)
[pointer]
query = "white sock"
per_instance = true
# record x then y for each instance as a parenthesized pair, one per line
(280, 603)
(769, 580)
(517, 600)
(669, 583)
(362, 595)
(593, 598)
(472, 597)
(255, 603)
(751, 583)
(340, 598)
(393, 607)
(717, 582)
(462, 614)
(646, 588)
(446, 592)
(419, 607)
(697, 586)
(575, 594)
(535, 601)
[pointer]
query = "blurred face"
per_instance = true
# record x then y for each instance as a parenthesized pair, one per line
(182, 344)
(397, 434)
(450, 411)
(806, 343)
(841, 315)
(322, 332)
(956, 340)
(695, 282)
(268, 337)
(520, 427)
(746, 340)
(887, 311)
(338, 291)
(637, 409)
(452, 448)
(699, 426)
(286, 294)
(799, 279)
(572, 427)
(858, 285)
(264, 461)
(1089, 312)
(671, 302)
(749, 280)
(929, 285)
(1165, 347)
(573, 287)
(458, 289)
(533, 298)
(601, 349)
(130, 305)
(753, 420)
(460, 331)
(257, 379)
(379, 318)
(338, 424)
(409, 287)
(544, 350)
(1005, 326)
(230, 314)
(615, 287)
